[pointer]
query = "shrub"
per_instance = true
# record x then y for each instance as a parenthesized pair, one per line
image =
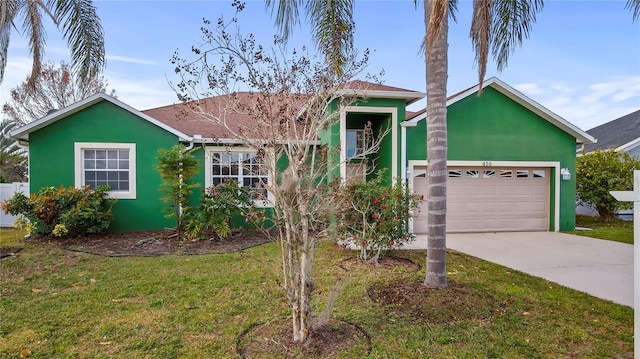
(64, 211)
(599, 172)
(219, 204)
(176, 167)
(374, 217)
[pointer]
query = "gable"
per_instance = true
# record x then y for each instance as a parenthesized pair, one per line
(543, 113)
(23, 133)
(495, 126)
(100, 122)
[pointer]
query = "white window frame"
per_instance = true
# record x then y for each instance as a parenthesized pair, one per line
(210, 150)
(79, 147)
(359, 147)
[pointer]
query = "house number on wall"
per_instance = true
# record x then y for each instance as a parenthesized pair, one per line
(486, 164)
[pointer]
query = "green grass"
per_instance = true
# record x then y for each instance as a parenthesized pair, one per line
(62, 304)
(10, 236)
(617, 230)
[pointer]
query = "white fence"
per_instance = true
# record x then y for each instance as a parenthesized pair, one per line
(7, 190)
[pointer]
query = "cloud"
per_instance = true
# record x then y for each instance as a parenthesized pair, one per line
(141, 93)
(130, 60)
(18, 67)
(587, 105)
(530, 88)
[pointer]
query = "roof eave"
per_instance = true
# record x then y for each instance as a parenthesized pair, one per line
(629, 145)
(409, 96)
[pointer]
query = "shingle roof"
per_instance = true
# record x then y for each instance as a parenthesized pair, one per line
(615, 133)
(186, 118)
(204, 117)
(370, 86)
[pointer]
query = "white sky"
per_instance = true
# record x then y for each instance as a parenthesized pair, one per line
(582, 60)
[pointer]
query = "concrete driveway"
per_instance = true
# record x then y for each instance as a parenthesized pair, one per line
(601, 268)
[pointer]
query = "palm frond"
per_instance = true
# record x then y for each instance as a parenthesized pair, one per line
(8, 12)
(287, 15)
(453, 12)
(634, 6)
(481, 35)
(81, 28)
(332, 27)
(511, 23)
(8, 146)
(439, 12)
(33, 28)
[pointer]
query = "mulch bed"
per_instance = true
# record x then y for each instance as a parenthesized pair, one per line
(275, 339)
(154, 243)
(414, 300)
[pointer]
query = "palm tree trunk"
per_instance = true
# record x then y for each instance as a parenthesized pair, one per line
(436, 66)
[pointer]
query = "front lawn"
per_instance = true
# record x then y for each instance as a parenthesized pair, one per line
(62, 304)
(617, 230)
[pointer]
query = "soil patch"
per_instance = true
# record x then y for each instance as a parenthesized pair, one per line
(457, 302)
(274, 340)
(389, 263)
(9, 251)
(154, 243)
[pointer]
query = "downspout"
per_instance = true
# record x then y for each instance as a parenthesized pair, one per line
(193, 140)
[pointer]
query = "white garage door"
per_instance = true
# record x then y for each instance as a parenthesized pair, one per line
(490, 200)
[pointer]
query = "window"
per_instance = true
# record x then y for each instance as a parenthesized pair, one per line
(506, 173)
(242, 166)
(539, 173)
(455, 173)
(488, 174)
(113, 164)
(472, 174)
(355, 143)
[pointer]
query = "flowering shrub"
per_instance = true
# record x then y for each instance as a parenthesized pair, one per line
(63, 211)
(374, 217)
(24, 223)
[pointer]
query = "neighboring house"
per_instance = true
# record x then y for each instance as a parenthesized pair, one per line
(506, 154)
(623, 134)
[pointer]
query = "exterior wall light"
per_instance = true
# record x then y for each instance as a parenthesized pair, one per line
(566, 174)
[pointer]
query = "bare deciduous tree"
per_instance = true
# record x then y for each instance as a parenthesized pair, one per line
(289, 99)
(58, 87)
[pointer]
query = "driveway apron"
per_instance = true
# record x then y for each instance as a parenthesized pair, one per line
(598, 267)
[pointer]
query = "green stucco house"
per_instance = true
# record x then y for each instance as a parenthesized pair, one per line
(511, 161)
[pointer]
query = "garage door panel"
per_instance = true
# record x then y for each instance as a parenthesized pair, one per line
(506, 207)
(538, 190)
(471, 207)
(488, 200)
(488, 207)
(489, 191)
(540, 207)
(507, 191)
